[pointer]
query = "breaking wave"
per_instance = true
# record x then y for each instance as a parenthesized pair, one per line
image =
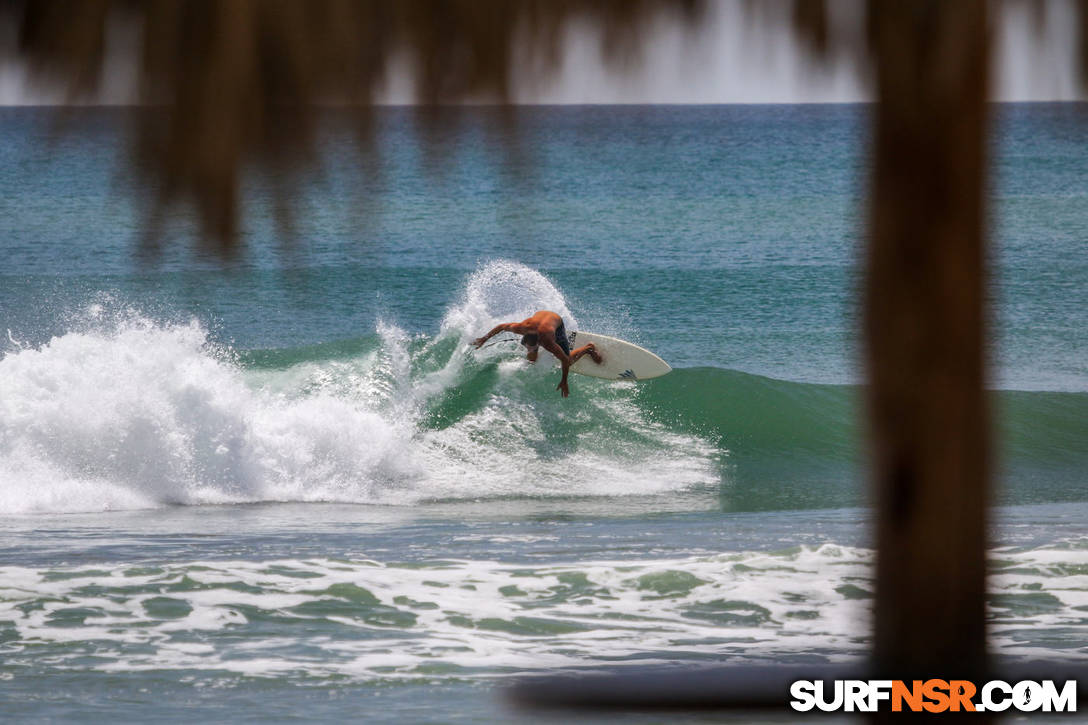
(127, 412)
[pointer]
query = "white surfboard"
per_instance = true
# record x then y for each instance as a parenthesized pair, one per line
(622, 360)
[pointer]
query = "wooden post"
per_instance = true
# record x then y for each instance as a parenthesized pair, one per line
(924, 327)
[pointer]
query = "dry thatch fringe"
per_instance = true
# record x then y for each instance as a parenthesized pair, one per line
(239, 84)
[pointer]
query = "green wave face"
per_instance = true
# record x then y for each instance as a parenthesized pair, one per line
(786, 445)
(799, 445)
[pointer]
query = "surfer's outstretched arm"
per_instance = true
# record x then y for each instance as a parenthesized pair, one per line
(494, 331)
(525, 327)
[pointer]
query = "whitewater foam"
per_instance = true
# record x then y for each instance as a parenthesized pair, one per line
(459, 616)
(141, 414)
(371, 620)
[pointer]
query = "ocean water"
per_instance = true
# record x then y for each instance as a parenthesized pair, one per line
(283, 487)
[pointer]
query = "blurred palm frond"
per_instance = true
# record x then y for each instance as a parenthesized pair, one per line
(232, 85)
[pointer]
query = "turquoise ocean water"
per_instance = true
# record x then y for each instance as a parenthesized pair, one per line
(283, 488)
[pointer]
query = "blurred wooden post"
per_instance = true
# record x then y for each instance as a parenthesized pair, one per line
(924, 320)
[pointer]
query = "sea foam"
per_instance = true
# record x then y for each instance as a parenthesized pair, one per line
(370, 620)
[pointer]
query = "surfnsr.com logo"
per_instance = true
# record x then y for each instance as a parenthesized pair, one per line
(933, 696)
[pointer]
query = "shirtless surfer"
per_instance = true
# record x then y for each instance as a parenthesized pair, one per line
(545, 329)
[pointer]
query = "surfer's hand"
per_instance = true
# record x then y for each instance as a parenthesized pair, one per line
(592, 350)
(562, 387)
(479, 341)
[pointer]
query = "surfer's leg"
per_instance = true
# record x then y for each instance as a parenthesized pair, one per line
(561, 338)
(590, 350)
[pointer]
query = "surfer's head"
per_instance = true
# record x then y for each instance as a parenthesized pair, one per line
(532, 345)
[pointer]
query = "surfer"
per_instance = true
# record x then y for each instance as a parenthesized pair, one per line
(545, 330)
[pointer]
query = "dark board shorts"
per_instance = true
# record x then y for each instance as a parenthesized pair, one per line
(560, 339)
